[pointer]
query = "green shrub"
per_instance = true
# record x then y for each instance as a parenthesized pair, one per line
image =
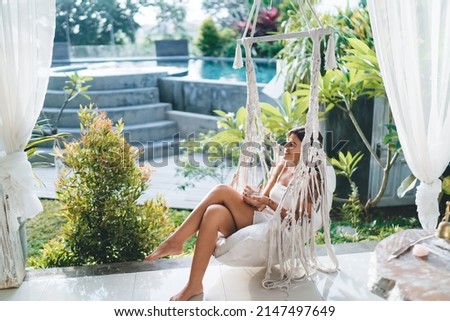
(209, 41)
(228, 38)
(98, 193)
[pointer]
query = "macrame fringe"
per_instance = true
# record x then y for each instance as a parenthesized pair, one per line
(238, 58)
(293, 239)
(330, 57)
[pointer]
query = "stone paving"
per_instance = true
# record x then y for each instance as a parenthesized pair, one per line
(165, 182)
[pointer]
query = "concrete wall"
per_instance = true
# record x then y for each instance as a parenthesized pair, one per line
(204, 96)
(191, 123)
(165, 48)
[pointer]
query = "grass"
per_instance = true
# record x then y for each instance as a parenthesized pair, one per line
(47, 225)
(44, 227)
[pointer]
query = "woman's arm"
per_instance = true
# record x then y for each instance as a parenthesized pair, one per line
(273, 178)
(259, 199)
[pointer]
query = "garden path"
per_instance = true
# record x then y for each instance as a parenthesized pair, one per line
(164, 182)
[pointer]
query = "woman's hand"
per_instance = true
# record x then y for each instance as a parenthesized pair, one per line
(254, 198)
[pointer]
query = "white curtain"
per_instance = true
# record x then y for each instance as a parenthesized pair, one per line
(412, 42)
(27, 30)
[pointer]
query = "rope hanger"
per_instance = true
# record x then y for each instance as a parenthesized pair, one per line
(292, 240)
(253, 16)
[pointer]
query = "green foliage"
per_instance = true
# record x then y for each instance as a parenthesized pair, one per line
(228, 38)
(55, 253)
(446, 185)
(359, 75)
(352, 210)
(391, 138)
(45, 246)
(209, 41)
(231, 12)
(74, 86)
(170, 17)
(232, 121)
(375, 230)
(361, 58)
(96, 22)
(42, 133)
(47, 226)
(98, 195)
(346, 165)
(222, 147)
(43, 227)
(347, 23)
(286, 115)
(267, 23)
(277, 120)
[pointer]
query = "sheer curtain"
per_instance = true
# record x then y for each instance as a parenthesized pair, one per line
(27, 30)
(412, 41)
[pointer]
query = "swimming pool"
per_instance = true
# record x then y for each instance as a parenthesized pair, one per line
(199, 68)
(222, 69)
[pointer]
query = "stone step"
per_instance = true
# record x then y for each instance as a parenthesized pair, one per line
(122, 79)
(137, 134)
(157, 149)
(147, 134)
(131, 115)
(105, 98)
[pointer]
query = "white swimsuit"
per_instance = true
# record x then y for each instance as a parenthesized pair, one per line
(276, 193)
(249, 245)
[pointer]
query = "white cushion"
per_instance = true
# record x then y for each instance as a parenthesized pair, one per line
(249, 246)
(246, 247)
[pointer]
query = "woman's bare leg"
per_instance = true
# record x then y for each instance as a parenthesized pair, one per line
(217, 218)
(225, 195)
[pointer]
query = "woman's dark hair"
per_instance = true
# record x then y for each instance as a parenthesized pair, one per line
(300, 132)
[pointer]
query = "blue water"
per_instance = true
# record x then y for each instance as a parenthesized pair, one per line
(223, 70)
(195, 69)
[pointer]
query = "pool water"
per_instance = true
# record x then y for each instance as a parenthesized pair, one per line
(223, 70)
(191, 68)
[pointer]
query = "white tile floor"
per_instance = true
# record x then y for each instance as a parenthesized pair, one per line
(221, 283)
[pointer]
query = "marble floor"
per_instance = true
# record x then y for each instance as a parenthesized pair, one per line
(221, 283)
(159, 280)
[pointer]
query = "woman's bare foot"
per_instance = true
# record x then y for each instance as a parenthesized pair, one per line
(164, 249)
(187, 293)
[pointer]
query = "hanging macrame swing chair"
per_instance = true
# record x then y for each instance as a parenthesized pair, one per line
(288, 243)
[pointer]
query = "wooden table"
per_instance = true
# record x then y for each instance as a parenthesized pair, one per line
(408, 277)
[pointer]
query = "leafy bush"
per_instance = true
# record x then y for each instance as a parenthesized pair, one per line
(98, 194)
(228, 38)
(209, 41)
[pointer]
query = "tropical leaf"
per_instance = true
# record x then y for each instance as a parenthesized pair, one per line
(446, 185)
(407, 184)
(231, 136)
(347, 163)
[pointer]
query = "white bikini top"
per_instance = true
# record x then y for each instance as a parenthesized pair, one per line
(277, 192)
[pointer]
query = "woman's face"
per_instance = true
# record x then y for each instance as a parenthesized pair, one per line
(292, 149)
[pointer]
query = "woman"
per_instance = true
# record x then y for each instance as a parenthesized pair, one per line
(225, 211)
